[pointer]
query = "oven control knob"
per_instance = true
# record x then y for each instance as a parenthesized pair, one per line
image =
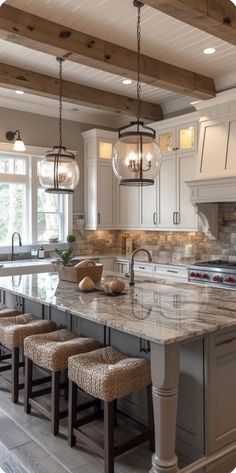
(230, 279)
(205, 276)
(217, 278)
(198, 275)
(192, 275)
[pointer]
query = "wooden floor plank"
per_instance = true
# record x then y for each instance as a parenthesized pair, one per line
(36, 460)
(11, 435)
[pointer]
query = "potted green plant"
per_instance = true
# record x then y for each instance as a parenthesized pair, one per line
(71, 238)
(65, 256)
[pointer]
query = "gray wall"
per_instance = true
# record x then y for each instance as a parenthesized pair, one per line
(42, 131)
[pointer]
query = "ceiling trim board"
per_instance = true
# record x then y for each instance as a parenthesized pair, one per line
(34, 32)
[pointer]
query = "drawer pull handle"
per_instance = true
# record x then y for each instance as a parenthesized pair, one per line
(141, 267)
(172, 271)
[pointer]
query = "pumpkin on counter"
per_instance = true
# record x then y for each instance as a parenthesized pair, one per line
(86, 284)
(117, 285)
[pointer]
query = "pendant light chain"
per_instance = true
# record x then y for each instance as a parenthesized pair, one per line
(139, 61)
(60, 101)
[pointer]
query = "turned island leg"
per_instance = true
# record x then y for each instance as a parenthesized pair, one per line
(165, 379)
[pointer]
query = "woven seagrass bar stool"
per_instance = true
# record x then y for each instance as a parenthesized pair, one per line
(108, 374)
(51, 351)
(13, 331)
(6, 312)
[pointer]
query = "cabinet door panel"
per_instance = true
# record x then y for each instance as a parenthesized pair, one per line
(105, 195)
(167, 193)
(187, 217)
(149, 211)
(129, 207)
(90, 196)
(213, 144)
(231, 161)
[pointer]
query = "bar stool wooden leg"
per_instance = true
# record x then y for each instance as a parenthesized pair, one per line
(150, 417)
(72, 412)
(109, 436)
(28, 384)
(15, 375)
(55, 402)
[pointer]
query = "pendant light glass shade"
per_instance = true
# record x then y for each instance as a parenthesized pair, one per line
(136, 155)
(59, 171)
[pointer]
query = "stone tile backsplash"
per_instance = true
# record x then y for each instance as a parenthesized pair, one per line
(173, 247)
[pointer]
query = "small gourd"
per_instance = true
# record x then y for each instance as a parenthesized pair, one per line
(86, 284)
(117, 285)
(85, 263)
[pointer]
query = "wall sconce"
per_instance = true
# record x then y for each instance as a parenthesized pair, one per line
(19, 144)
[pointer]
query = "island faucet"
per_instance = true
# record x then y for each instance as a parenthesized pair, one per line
(12, 244)
(131, 279)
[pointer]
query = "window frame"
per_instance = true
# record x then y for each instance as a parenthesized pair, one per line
(31, 181)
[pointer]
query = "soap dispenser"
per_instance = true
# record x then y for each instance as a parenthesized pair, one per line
(41, 252)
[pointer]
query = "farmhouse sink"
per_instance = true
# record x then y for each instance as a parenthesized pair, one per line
(10, 268)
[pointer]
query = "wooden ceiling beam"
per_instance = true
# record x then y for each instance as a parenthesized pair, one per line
(216, 17)
(34, 32)
(47, 86)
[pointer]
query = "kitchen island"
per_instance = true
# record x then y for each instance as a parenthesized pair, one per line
(168, 316)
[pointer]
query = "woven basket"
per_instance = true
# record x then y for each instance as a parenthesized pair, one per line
(67, 273)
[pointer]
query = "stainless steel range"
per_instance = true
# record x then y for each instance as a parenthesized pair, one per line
(217, 273)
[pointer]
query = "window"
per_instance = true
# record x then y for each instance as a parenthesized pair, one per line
(25, 207)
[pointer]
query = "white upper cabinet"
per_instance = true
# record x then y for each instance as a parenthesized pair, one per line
(100, 184)
(128, 207)
(217, 143)
(167, 193)
(186, 217)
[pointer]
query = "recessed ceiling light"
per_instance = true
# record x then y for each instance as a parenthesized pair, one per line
(19, 92)
(127, 81)
(209, 51)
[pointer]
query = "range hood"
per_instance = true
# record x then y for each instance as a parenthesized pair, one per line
(206, 194)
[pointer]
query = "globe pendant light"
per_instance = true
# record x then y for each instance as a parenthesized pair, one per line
(59, 171)
(136, 157)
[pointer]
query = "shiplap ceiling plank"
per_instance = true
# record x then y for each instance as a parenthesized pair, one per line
(38, 33)
(75, 93)
(217, 17)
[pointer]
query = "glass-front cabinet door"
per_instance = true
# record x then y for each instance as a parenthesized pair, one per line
(186, 137)
(179, 138)
(105, 150)
(166, 141)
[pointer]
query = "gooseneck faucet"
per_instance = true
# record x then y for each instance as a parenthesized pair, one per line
(12, 244)
(131, 279)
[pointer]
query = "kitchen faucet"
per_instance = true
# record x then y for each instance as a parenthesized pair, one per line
(131, 279)
(12, 244)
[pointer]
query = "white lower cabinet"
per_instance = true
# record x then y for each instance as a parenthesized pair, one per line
(121, 266)
(221, 399)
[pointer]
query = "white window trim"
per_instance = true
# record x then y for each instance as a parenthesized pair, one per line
(37, 152)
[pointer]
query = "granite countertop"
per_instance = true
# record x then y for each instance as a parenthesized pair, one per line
(157, 311)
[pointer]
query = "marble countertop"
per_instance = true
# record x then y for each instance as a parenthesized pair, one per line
(158, 311)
